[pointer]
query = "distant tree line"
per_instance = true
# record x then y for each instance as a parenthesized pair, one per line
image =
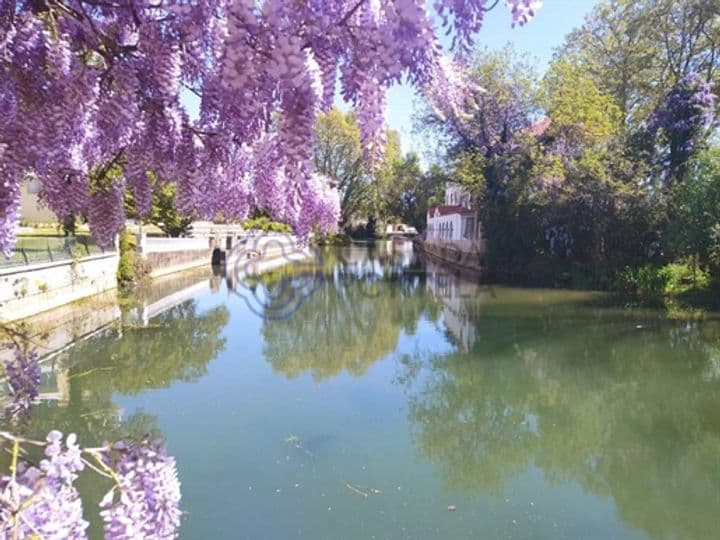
(605, 171)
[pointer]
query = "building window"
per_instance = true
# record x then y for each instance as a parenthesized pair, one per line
(468, 228)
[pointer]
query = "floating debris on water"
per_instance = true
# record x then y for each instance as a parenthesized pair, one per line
(362, 491)
(356, 490)
(295, 441)
(451, 507)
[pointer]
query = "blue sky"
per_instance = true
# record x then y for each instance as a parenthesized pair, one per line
(537, 40)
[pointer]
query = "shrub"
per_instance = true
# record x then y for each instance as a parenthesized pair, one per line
(332, 240)
(670, 280)
(264, 223)
(684, 277)
(646, 280)
(126, 266)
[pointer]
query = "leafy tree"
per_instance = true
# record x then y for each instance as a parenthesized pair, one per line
(577, 108)
(636, 50)
(502, 105)
(338, 155)
(385, 177)
(163, 210)
(696, 212)
(365, 192)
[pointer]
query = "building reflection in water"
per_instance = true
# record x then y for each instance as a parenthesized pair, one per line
(459, 297)
(76, 343)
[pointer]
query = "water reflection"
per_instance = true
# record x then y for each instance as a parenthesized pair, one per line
(622, 403)
(627, 405)
(78, 383)
(368, 297)
(93, 349)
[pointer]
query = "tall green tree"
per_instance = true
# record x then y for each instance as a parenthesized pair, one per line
(364, 191)
(576, 107)
(163, 212)
(637, 49)
(411, 191)
(338, 155)
(695, 224)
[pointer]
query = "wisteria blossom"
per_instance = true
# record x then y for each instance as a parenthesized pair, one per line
(86, 86)
(681, 120)
(41, 501)
(23, 380)
(145, 503)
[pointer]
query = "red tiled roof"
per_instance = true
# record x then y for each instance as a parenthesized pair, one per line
(538, 128)
(447, 209)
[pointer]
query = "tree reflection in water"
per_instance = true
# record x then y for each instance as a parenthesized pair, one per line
(625, 404)
(79, 383)
(355, 317)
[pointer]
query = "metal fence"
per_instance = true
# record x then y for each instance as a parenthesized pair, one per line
(45, 249)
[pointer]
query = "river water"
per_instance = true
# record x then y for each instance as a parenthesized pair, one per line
(373, 395)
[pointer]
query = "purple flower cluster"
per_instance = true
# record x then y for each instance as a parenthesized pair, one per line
(145, 504)
(468, 17)
(41, 502)
(106, 213)
(23, 379)
(682, 119)
(9, 201)
(102, 84)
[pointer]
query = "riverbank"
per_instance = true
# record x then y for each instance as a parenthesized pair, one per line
(28, 290)
(679, 284)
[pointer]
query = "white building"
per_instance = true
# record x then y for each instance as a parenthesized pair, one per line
(455, 222)
(31, 211)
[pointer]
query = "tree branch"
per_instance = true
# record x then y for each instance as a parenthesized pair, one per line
(345, 18)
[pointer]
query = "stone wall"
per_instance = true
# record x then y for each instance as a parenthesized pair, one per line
(168, 255)
(452, 256)
(167, 262)
(32, 289)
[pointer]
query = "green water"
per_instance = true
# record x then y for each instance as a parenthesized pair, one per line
(395, 392)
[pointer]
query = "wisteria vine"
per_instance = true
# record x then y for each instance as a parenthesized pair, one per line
(680, 121)
(41, 501)
(23, 380)
(88, 83)
(38, 498)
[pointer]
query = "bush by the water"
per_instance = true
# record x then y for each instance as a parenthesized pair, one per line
(264, 223)
(332, 240)
(670, 280)
(131, 268)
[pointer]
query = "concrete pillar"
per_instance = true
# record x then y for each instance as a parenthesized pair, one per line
(141, 238)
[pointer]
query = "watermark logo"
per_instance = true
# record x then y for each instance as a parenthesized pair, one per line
(273, 273)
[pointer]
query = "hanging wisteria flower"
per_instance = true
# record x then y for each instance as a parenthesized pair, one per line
(91, 83)
(41, 502)
(23, 380)
(682, 118)
(145, 503)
